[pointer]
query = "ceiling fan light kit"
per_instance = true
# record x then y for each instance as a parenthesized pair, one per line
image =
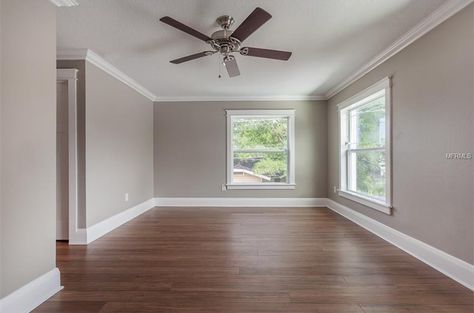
(227, 42)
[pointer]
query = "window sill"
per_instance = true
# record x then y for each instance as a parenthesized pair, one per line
(371, 203)
(260, 186)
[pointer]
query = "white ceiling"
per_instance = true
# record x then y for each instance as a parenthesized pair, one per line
(330, 40)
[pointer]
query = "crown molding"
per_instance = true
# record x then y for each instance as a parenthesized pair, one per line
(64, 3)
(445, 11)
(244, 98)
(97, 60)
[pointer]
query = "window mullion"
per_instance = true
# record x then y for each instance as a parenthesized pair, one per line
(260, 150)
(367, 149)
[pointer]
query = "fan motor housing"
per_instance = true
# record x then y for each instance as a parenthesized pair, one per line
(223, 42)
(221, 34)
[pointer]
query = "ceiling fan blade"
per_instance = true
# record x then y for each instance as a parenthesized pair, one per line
(231, 66)
(192, 57)
(253, 22)
(266, 53)
(174, 23)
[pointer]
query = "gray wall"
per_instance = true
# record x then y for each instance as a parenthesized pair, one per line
(119, 146)
(115, 144)
(433, 102)
(190, 149)
(28, 141)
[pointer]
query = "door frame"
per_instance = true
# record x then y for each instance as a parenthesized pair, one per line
(70, 76)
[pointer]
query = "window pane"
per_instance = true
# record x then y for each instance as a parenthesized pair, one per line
(261, 167)
(260, 133)
(367, 173)
(367, 125)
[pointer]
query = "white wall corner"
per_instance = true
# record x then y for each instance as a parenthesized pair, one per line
(31, 295)
(240, 202)
(64, 3)
(445, 11)
(457, 269)
(98, 61)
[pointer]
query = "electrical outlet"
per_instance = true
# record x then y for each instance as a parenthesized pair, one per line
(335, 189)
(224, 187)
(126, 197)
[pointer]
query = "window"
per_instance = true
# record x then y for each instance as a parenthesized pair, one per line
(260, 149)
(364, 122)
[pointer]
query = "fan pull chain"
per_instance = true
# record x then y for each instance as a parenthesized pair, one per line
(220, 66)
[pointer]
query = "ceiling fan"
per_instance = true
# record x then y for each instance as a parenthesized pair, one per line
(228, 41)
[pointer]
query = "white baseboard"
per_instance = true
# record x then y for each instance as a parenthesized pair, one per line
(98, 230)
(87, 235)
(78, 237)
(31, 295)
(241, 202)
(457, 269)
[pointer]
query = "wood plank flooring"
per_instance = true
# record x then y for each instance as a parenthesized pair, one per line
(292, 260)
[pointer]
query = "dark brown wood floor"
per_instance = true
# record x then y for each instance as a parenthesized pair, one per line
(231, 260)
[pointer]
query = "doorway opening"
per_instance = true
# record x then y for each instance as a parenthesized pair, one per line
(62, 162)
(66, 155)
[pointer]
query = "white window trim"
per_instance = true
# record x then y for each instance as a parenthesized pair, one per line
(290, 114)
(360, 99)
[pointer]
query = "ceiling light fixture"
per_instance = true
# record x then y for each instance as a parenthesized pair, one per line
(226, 42)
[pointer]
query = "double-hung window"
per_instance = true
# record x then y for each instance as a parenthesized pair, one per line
(365, 167)
(260, 149)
